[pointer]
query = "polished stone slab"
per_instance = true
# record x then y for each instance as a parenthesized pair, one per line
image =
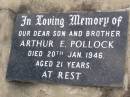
(79, 48)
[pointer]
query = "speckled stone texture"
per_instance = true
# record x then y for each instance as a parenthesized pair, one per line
(10, 8)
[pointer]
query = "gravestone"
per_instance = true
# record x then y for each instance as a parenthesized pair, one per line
(79, 48)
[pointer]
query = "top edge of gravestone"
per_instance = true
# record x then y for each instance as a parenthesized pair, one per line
(92, 12)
